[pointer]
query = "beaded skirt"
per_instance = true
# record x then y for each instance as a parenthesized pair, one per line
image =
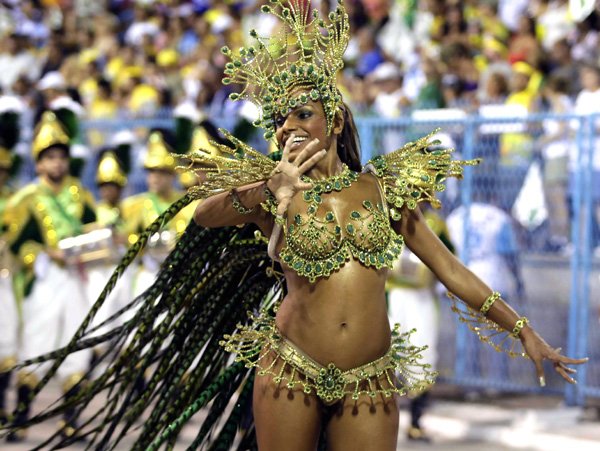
(261, 345)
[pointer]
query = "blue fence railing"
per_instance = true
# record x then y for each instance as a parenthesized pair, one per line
(558, 254)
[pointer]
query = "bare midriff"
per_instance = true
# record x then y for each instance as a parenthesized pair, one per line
(341, 319)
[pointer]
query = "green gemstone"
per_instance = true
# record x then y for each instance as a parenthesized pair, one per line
(329, 216)
(307, 196)
(329, 265)
(337, 230)
(287, 258)
(317, 198)
(367, 204)
(355, 214)
(329, 383)
(337, 185)
(318, 268)
(308, 267)
(415, 194)
(298, 219)
(350, 229)
(372, 259)
(298, 265)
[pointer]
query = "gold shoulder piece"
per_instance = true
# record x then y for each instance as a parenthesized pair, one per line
(230, 168)
(413, 173)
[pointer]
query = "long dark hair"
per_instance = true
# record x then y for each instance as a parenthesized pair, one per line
(348, 144)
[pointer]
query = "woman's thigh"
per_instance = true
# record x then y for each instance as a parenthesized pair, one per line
(366, 424)
(285, 419)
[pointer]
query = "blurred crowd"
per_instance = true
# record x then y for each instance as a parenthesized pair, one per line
(128, 59)
(133, 58)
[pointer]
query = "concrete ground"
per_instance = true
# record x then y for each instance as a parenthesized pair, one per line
(453, 423)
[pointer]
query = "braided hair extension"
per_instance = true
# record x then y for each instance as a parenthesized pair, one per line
(203, 290)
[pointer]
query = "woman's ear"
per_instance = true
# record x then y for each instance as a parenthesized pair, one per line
(338, 122)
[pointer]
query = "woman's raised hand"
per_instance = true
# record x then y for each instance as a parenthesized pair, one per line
(285, 179)
(538, 350)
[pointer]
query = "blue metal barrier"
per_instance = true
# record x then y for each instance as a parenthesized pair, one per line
(559, 287)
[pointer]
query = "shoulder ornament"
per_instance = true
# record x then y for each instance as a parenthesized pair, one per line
(413, 173)
(229, 168)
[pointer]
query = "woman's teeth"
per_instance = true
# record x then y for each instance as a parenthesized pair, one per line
(299, 139)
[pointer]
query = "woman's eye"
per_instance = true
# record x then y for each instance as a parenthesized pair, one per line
(279, 121)
(304, 114)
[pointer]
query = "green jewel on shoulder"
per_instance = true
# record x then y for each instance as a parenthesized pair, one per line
(355, 214)
(329, 216)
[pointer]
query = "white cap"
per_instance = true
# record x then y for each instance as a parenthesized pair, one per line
(189, 111)
(52, 80)
(123, 137)
(385, 71)
(67, 103)
(11, 104)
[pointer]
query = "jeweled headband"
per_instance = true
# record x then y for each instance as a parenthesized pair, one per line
(298, 63)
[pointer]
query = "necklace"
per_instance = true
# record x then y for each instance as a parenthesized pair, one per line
(334, 183)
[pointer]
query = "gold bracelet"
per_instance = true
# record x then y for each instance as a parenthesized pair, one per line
(519, 325)
(489, 302)
(237, 203)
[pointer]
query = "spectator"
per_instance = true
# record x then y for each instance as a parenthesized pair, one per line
(554, 146)
(562, 65)
(495, 57)
(587, 103)
(16, 60)
(370, 56)
(523, 45)
(586, 39)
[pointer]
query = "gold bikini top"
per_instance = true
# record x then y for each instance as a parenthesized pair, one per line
(320, 240)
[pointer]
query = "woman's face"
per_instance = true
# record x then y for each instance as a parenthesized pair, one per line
(306, 123)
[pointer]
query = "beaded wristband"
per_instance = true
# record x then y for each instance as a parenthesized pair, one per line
(237, 203)
(270, 204)
(519, 325)
(489, 302)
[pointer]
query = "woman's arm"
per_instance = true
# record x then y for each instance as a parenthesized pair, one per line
(239, 206)
(468, 287)
(242, 205)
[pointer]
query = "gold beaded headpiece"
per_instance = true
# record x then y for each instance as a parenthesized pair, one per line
(298, 63)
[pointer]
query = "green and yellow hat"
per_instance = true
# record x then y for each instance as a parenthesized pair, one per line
(159, 154)
(48, 133)
(110, 171)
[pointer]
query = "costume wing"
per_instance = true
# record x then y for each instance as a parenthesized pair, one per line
(413, 173)
(229, 167)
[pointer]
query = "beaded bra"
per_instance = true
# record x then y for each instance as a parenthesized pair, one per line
(316, 241)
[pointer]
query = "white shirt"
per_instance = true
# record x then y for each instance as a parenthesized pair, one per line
(489, 240)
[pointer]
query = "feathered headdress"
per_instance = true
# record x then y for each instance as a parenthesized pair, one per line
(297, 64)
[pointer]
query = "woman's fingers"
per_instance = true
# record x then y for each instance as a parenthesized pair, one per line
(539, 369)
(283, 206)
(562, 371)
(312, 161)
(309, 151)
(286, 148)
